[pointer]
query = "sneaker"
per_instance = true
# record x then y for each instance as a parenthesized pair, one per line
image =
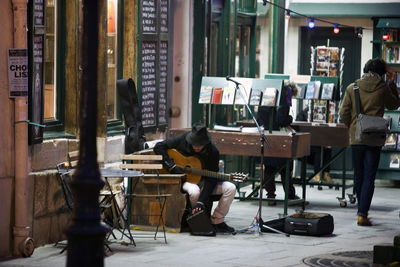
(326, 177)
(223, 228)
(317, 178)
(363, 221)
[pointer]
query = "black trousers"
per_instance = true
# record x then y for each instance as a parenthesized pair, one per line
(271, 166)
(315, 157)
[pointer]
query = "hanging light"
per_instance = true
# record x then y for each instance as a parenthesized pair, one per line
(287, 15)
(311, 23)
(336, 29)
(385, 36)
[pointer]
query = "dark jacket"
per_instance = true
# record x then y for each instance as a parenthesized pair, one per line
(375, 96)
(280, 118)
(209, 158)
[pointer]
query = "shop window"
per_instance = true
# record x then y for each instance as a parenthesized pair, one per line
(112, 45)
(50, 93)
(54, 68)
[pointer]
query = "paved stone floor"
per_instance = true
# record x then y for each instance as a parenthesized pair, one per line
(247, 249)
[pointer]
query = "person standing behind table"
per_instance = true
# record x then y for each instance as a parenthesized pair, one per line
(281, 119)
(315, 154)
(375, 96)
(198, 143)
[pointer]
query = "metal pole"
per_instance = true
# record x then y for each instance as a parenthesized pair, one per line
(86, 234)
(23, 243)
(277, 20)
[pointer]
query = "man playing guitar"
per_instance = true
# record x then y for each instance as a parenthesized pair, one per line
(198, 143)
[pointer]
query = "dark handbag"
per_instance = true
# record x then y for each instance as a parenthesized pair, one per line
(370, 130)
(200, 224)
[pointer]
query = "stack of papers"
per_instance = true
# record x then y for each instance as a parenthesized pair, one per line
(227, 128)
(237, 129)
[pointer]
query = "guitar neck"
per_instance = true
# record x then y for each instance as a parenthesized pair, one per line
(207, 173)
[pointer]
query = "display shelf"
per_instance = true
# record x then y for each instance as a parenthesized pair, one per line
(389, 167)
(390, 162)
(381, 48)
(391, 52)
(391, 43)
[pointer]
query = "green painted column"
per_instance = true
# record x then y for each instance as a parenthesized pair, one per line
(276, 36)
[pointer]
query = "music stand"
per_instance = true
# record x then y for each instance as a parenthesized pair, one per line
(263, 141)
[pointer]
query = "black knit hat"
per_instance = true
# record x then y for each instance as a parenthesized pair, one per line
(199, 136)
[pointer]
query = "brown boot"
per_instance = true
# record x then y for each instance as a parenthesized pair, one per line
(363, 221)
(317, 178)
(326, 177)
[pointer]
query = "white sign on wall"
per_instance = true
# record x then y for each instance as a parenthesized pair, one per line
(18, 72)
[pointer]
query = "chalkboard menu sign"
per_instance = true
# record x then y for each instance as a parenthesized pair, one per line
(163, 16)
(37, 83)
(149, 16)
(36, 42)
(149, 82)
(162, 93)
(38, 12)
(154, 64)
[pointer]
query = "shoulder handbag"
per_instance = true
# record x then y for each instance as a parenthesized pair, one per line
(200, 224)
(370, 130)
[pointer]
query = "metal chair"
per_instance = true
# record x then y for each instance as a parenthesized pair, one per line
(64, 175)
(146, 196)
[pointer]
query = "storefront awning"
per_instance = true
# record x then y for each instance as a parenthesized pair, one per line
(388, 23)
(346, 9)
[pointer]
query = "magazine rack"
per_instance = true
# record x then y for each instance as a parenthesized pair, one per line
(335, 96)
(248, 87)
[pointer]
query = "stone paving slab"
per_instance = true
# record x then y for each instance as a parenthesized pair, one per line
(247, 249)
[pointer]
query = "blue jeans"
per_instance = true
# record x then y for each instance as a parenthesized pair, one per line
(365, 163)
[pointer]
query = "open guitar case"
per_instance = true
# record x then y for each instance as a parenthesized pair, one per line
(135, 140)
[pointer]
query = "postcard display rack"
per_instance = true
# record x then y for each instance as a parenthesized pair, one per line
(326, 62)
(327, 67)
(323, 94)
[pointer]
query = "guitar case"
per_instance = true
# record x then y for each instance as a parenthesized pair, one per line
(307, 223)
(199, 224)
(135, 140)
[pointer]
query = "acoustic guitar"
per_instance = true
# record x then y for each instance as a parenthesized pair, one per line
(193, 169)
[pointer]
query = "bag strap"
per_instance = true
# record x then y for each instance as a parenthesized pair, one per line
(357, 97)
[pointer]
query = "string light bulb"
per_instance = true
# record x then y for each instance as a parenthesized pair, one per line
(336, 29)
(287, 15)
(311, 24)
(359, 32)
(385, 36)
(311, 21)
